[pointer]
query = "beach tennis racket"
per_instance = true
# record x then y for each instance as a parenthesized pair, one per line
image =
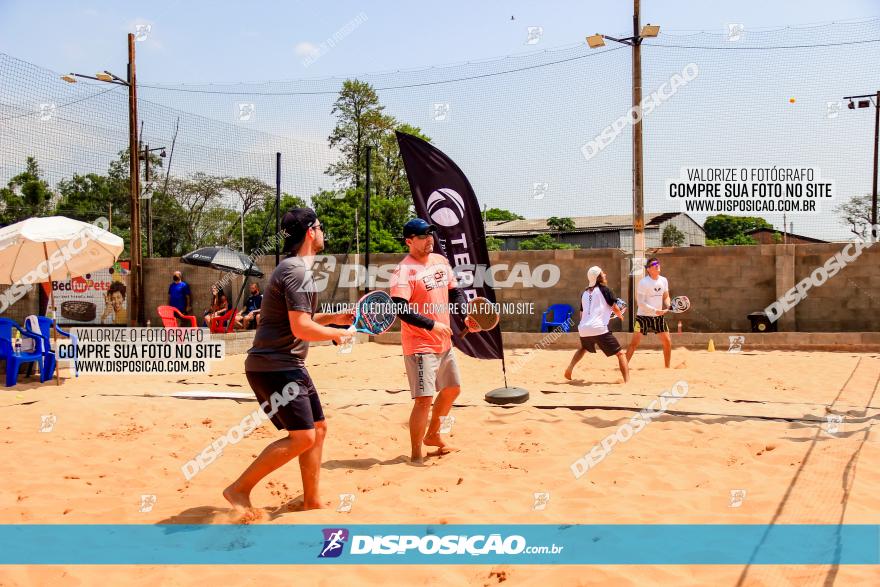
(620, 304)
(481, 315)
(679, 304)
(374, 314)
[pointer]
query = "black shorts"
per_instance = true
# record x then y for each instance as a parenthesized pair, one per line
(302, 412)
(645, 324)
(606, 342)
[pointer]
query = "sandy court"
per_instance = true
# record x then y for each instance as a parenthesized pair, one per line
(750, 421)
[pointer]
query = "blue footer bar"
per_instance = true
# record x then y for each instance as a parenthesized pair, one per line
(534, 544)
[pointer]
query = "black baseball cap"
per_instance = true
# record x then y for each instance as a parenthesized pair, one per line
(417, 226)
(295, 223)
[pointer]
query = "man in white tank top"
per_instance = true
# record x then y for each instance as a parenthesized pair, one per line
(598, 302)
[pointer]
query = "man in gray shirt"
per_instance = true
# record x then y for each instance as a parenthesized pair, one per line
(275, 366)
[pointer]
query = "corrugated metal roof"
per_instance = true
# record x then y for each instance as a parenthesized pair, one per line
(581, 223)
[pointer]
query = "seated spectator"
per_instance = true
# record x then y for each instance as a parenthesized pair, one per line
(219, 305)
(251, 315)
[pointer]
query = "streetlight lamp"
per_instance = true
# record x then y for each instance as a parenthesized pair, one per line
(136, 296)
(864, 101)
(635, 41)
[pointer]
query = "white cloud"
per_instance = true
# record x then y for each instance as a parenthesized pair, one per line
(306, 49)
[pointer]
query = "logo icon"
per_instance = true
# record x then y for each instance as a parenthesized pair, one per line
(735, 31)
(334, 542)
(833, 424)
(317, 277)
(832, 109)
(534, 34)
(446, 424)
(246, 111)
(47, 111)
(539, 190)
(737, 497)
(446, 207)
(736, 344)
(441, 111)
(142, 31)
(47, 422)
(147, 503)
(541, 500)
(346, 502)
(637, 266)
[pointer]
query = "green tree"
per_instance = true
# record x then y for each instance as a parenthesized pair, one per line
(501, 214)
(337, 213)
(359, 122)
(200, 197)
(251, 192)
(90, 196)
(387, 172)
(494, 244)
(672, 236)
(26, 195)
(259, 224)
(560, 225)
(740, 239)
(543, 242)
(856, 213)
(723, 229)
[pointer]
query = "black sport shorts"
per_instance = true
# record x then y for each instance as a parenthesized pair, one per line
(647, 324)
(301, 412)
(606, 342)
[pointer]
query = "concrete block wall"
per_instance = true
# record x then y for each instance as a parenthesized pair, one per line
(849, 301)
(724, 285)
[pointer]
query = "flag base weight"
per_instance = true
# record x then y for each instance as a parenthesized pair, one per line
(507, 395)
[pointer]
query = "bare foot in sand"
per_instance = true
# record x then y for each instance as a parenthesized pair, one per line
(312, 505)
(434, 440)
(241, 504)
(445, 450)
(568, 373)
(437, 442)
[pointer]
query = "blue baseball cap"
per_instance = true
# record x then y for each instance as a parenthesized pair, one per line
(417, 226)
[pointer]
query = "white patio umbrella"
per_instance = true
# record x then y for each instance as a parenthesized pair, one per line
(54, 248)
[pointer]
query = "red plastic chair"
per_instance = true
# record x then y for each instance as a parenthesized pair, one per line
(224, 323)
(169, 315)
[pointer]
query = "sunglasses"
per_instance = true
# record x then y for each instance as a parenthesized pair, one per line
(422, 237)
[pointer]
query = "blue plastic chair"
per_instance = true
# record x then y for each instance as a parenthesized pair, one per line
(557, 317)
(45, 335)
(14, 360)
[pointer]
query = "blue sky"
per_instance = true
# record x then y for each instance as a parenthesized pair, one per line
(509, 131)
(223, 41)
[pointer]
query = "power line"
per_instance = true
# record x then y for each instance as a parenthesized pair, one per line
(57, 107)
(418, 85)
(764, 48)
(508, 71)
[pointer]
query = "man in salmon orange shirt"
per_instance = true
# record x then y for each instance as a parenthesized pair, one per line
(422, 286)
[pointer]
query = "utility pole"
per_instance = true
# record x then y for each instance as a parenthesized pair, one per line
(136, 290)
(638, 177)
(136, 296)
(638, 197)
(866, 103)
